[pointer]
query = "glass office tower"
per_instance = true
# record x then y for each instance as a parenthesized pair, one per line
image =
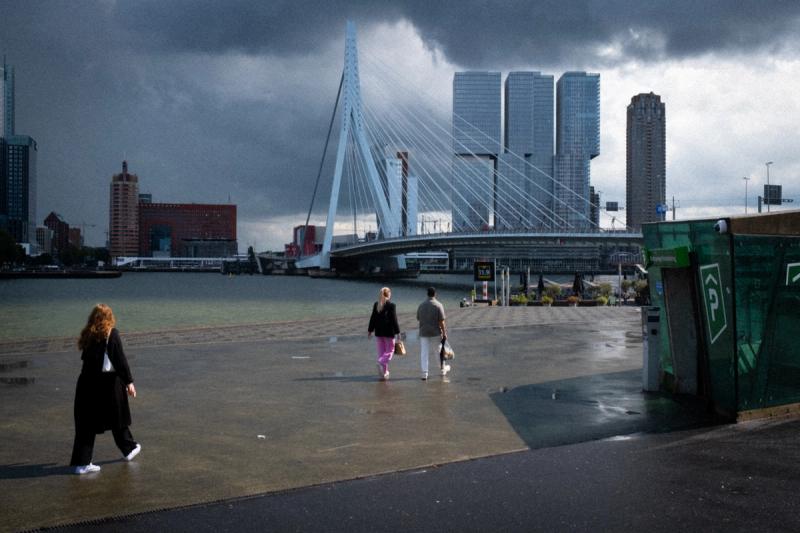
(7, 100)
(527, 166)
(21, 188)
(476, 146)
(577, 142)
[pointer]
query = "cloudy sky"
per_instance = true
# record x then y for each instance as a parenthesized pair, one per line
(215, 99)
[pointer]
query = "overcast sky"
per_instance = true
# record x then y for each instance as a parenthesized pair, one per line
(211, 99)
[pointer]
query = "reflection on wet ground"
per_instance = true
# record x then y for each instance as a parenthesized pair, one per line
(599, 406)
(18, 381)
(13, 365)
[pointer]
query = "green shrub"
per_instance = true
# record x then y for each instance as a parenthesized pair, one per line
(552, 290)
(520, 299)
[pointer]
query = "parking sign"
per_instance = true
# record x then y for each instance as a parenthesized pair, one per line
(711, 281)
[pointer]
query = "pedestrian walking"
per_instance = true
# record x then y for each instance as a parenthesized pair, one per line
(432, 332)
(101, 401)
(383, 322)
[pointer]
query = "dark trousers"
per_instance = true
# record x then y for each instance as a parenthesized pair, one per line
(84, 445)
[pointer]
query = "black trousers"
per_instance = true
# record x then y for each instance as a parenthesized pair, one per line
(84, 445)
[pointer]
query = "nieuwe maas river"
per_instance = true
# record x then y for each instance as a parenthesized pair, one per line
(159, 301)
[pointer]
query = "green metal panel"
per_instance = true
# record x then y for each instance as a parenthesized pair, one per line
(712, 256)
(767, 320)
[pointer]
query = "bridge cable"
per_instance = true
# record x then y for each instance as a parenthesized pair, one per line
(322, 161)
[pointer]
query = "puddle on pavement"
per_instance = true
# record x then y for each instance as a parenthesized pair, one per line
(6, 367)
(17, 381)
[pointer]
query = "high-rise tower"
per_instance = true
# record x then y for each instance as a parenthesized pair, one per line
(476, 146)
(17, 168)
(123, 227)
(577, 143)
(526, 167)
(645, 177)
(7, 100)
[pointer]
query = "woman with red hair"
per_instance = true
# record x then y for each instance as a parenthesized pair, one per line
(100, 398)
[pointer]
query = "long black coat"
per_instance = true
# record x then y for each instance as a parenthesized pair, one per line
(101, 400)
(384, 323)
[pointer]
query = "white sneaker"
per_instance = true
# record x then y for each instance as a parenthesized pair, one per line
(445, 369)
(134, 453)
(424, 376)
(86, 469)
(386, 375)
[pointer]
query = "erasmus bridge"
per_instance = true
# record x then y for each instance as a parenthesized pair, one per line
(395, 177)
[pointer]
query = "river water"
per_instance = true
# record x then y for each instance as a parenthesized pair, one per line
(159, 301)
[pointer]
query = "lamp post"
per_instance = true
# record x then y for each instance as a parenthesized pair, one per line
(746, 179)
(769, 193)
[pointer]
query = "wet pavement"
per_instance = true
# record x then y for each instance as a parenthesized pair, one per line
(276, 407)
(741, 477)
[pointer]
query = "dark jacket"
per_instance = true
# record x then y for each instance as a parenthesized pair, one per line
(384, 323)
(101, 399)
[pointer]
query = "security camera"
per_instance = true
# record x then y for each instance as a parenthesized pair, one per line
(721, 226)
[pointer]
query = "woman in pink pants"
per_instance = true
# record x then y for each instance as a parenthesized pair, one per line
(383, 322)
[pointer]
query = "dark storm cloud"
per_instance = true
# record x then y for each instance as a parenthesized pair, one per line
(477, 33)
(101, 80)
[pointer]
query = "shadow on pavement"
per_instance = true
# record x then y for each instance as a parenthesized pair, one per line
(596, 407)
(339, 377)
(22, 471)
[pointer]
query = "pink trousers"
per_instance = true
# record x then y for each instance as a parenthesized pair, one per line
(385, 351)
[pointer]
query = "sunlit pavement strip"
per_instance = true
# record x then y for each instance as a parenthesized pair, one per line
(458, 318)
(221, 419)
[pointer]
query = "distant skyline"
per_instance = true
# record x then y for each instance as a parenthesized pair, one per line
(207, 100)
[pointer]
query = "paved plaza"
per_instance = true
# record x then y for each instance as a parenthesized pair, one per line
(237, 411)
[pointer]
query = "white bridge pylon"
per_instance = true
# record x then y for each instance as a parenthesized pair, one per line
(353, 122)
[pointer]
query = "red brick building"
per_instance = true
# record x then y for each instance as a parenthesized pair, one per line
(123, 216)
(60, 228)
(187, 230)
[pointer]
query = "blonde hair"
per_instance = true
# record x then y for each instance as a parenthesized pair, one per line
(98, 326)
(383, 296)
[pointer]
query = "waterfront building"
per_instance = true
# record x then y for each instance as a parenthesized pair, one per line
(20, 187)
(526, 171)
(187, 230)
(395, 184)
(3, 186)
(123, 227)
(594, 207)
(60, 231)
(577, 143)
(476, 146)
(473, 192)
(17, 168)
(412, 206)
(44, 239)
(75, 237)
(6, 100)
(645, 176)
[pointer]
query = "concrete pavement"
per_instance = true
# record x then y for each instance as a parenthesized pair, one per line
(241, 411)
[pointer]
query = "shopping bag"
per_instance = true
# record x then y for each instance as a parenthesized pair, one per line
(399, 348)
(446, 351)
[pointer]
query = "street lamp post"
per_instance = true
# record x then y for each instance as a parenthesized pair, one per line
(746, 179)
(769, 193)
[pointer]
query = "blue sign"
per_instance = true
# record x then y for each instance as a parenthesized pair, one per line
(661, 208)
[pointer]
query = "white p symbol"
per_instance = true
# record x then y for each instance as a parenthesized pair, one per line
(713, 300)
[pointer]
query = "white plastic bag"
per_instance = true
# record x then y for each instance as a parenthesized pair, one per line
(447, 352)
